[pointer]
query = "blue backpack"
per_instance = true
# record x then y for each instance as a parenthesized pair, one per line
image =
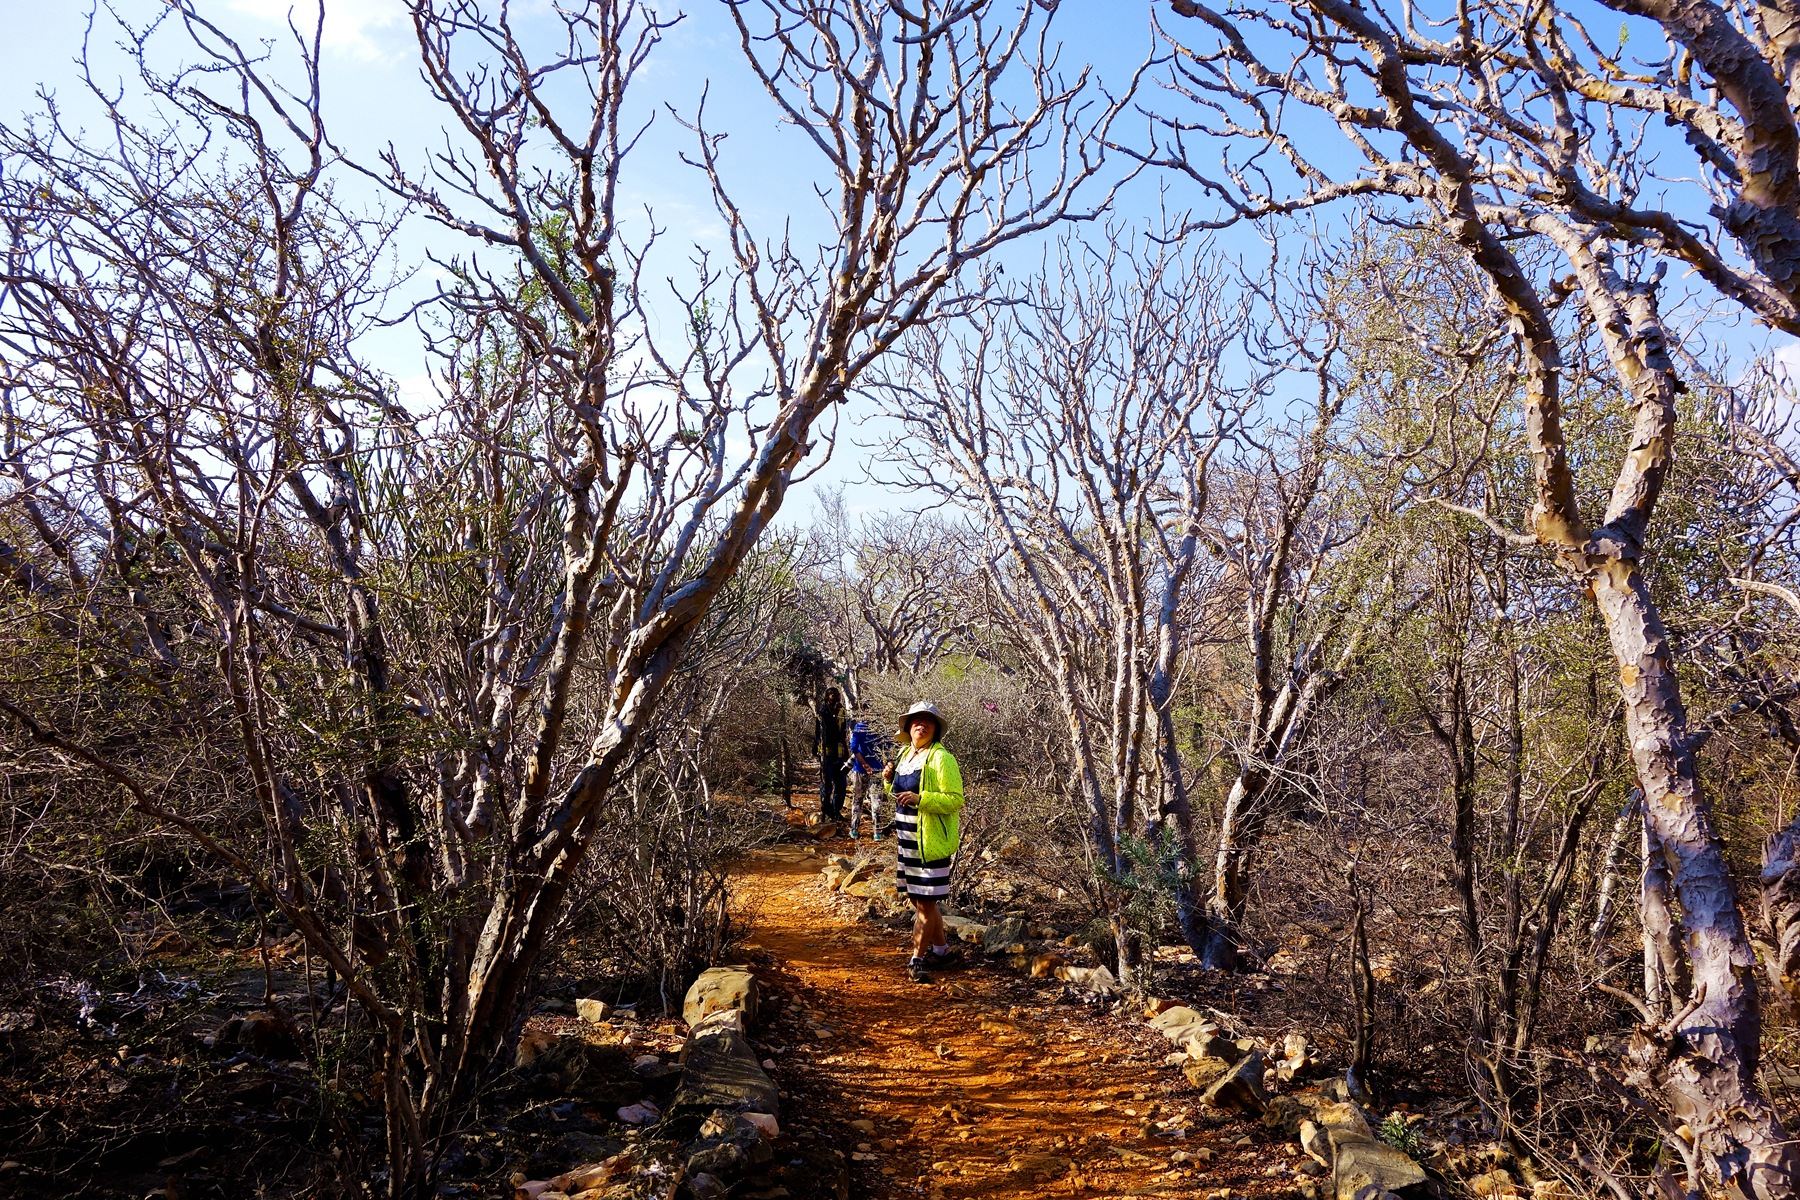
(865, 743)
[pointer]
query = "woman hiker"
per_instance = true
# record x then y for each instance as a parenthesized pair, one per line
(927, 789)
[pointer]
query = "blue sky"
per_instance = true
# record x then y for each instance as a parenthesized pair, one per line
(373, 96)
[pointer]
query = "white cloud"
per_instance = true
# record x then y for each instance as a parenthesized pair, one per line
(1787, 366)
(418, 393)
(351, 26)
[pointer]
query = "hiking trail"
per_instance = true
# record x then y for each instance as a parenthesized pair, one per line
(985, 1083)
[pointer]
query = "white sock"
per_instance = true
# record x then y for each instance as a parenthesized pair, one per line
(943, 949)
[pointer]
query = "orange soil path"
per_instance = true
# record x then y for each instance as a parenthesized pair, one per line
(978, 1086)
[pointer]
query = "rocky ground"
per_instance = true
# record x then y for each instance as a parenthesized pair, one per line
(1022, 1074)
(811, 1069)
(987, 1082)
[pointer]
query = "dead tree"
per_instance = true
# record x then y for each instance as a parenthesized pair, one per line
(397, 603)
(1310, 570)
(1521, 125)
(887, 592)
(1077, 428)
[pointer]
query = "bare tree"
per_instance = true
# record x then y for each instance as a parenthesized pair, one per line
(1295, 525)
(927, 164)
(1760, 433)
(1077, 428)
(1305, 627)
(1520, 124)
(891, 593)
(399, 604)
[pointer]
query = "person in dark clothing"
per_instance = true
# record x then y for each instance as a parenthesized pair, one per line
(831, 745)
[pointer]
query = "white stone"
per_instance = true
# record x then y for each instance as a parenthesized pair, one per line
(644, 1112)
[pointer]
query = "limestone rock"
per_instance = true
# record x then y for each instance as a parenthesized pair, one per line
(862, 870)
(727, 1147)
(644, 1112)
(1240, 1088)
(721, 1072)
(1174, 1017)
(1001, 938)
(1315, 1143)
(1204, 1072)
(1364, 1165)
(723, 1160)
(1295, 1058)
(593, 1011)
(964, 929)
(725, 1018)
(721, 988)
(1340, 1120)
(1343, 1122)
(702, 1186)
(1182, 1024)
(1207, 1045)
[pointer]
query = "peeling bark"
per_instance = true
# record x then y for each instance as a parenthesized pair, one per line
(1490, 165)
(1780, 904)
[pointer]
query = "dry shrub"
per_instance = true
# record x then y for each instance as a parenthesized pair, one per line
(999, 731)
(654, 900)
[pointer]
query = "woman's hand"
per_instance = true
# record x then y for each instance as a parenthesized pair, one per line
(887, 773)
(906, 799)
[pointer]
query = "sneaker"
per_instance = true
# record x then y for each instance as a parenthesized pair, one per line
(854, 836)
(876, 836)
(950, 959)
(915, 971)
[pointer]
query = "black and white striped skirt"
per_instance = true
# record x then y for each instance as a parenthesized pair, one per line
(918, 879)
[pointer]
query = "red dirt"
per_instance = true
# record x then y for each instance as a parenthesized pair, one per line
(984, 1083)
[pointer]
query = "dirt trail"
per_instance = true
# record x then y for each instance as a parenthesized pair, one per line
(983, 1084)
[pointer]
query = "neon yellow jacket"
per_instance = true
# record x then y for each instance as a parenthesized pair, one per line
(940, 800)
